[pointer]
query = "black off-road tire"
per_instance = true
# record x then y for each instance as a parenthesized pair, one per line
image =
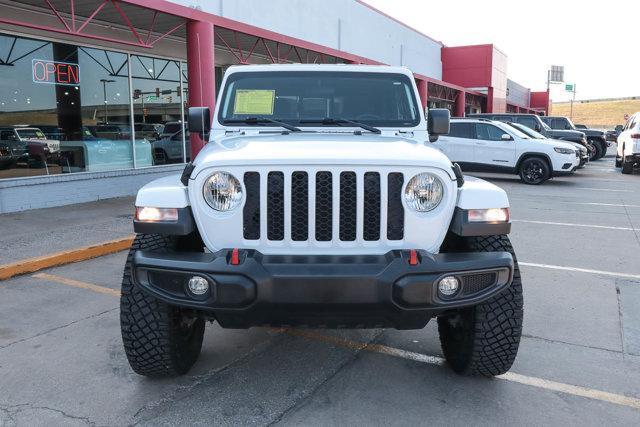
(604, 147)
(600, 152)
(483, 340)
(160, 340)
(618, 161)
(627, 167)
(534, 170)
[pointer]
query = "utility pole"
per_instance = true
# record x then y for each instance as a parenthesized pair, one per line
(104, 92)
(573, 99)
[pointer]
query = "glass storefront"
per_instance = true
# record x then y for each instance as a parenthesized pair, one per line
(67, 108)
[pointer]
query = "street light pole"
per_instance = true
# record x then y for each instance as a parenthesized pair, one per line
(572, 101)
(104, 92)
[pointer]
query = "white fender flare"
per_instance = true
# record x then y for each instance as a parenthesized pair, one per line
(482, 209)
(477, 193)
(167, 192)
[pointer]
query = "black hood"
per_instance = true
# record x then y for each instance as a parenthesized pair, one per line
(593, 132)
(569, 135)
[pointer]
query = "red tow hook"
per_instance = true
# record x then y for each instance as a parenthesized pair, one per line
(413, 257)
(235, 257)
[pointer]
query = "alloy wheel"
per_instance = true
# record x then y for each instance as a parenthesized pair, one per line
(533, 172)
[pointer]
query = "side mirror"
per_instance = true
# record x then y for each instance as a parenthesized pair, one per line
(506, 137)
(438, 122)
(538, 127)
(199, 120)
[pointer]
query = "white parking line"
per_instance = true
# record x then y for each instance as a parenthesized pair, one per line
(605, 204)
(603, 396)
(617, 190)
(590, 393)
(620, 205)
(582, 270)
(568, 224)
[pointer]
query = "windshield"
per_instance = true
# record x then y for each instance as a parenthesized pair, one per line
(515, 131)
(530, 132)
(309, 98)
(171, 128)
(31, 133)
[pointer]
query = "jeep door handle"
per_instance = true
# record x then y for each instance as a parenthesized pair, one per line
(481, 143)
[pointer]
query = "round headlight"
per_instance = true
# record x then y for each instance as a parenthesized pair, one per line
(424, 192)
(222, 191)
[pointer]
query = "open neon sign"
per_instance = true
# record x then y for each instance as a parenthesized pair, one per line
(55, 72)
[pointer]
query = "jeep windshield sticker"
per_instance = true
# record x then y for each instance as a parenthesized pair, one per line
(254, 101)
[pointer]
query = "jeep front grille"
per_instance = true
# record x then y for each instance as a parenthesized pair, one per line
(324, 206)
(300, 205)
(251, 212)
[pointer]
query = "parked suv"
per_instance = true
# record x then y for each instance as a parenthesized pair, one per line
(628, 150)
(482, 145)
(597, 138)
(319, 202)
(612, 135)
(584, 153)
(533, 121)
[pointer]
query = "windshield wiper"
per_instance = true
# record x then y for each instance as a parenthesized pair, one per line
(258, 120)
(339, 121)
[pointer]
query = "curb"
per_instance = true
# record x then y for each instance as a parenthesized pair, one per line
(31, 265)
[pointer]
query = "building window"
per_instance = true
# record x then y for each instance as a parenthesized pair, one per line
(67, 108)
(158, 108)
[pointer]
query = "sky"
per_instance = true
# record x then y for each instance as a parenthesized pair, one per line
(596, 42)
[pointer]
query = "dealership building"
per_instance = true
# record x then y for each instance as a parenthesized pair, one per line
(93, 93)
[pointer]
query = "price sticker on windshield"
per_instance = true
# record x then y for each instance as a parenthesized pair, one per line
(254, 101)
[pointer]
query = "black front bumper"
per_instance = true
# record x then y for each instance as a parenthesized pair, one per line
(324, 290)
(634, 159)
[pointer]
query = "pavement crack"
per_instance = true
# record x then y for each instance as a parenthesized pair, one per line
(549, 340)
(13, 410)
(305, 398)
(183, 390)
(66, 325)
(635, 231)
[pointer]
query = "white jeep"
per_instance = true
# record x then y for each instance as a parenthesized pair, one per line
(318, 202)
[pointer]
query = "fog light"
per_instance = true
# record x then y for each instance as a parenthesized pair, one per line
(198, 285)
(448, 286)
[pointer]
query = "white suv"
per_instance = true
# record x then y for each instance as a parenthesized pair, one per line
(628, 151)
(483, 145)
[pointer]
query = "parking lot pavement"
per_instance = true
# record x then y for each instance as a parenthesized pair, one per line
(40, 232)
(577, 239)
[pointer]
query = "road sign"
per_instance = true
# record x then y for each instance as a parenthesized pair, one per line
(570, 87)
(556, 73)
(151, 98)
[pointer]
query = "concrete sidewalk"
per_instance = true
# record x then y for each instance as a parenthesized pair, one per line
(41, 232)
